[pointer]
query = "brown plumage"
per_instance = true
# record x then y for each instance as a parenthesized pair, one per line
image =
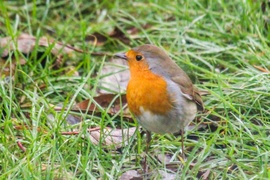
(159, 93)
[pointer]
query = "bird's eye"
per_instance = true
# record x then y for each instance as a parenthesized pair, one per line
(139, 57)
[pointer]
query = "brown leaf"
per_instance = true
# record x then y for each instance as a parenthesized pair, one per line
(133, 31)
(7, 68)
(114, 138)
(25, 43)
(111, 138)
(206, 174)
(131, 175)
(164, 158)
(155, 174)
(118, 34)
(99, 39)
(167, 175)
(70, 118)
(114, 102)
(115, 76)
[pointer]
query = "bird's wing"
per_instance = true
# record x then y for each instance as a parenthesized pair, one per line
(178, 76)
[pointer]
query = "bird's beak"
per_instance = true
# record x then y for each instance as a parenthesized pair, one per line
(121, 56)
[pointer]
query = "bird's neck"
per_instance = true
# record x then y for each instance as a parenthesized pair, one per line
(142, 74)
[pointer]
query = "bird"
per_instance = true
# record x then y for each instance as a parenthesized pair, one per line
(159, 93)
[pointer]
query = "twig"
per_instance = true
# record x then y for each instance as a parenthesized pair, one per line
(21, 146)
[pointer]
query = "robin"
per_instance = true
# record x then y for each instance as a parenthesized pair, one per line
(159, 93)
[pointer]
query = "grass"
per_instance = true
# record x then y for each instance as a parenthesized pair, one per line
(219, 44)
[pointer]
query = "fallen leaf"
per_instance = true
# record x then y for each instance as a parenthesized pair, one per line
(166, 175)
(70, 118)
(99, 39)
(8, 68)
(113, 103)
(206, 174)
(156, 174)
(115, 76)
(131, 175)
(164, 158)
(111, 138)
(120, 35)
(25, 43)
(134, 30)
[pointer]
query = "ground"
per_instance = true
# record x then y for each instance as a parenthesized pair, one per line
(223, 46)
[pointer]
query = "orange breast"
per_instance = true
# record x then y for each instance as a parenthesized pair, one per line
(148, 91)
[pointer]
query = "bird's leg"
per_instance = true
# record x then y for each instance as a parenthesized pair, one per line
(183, 148)
(148, 140)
